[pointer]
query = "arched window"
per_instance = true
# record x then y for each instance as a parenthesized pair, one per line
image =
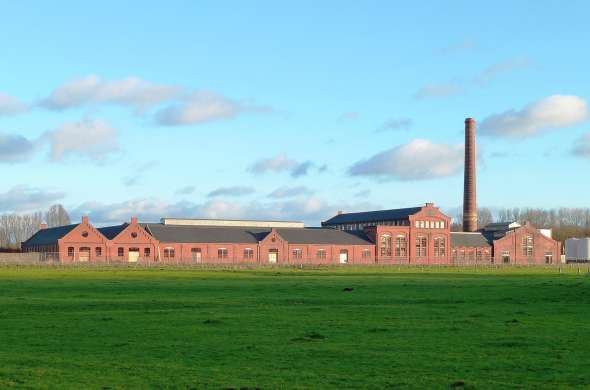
(439, 247)
(385, 245)
(421, 244)
(401, 246)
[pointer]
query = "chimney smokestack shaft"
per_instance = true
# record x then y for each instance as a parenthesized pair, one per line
(469, 189)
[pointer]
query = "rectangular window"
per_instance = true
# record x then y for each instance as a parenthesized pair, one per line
(169, 253)
(548, 257)
(71, 251)
(120, 252)
(321, 253)
(506, 257)
(146, 252)
(400, 246)
(297, 253)
(222, 253)
(248, 253)
(421, 243)
(442, 225)
(98, 251)
(366, 254)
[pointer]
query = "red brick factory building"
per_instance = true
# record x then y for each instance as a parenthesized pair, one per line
(416, 235)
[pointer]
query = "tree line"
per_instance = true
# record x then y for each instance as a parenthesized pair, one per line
(15, 228)
(565, 222)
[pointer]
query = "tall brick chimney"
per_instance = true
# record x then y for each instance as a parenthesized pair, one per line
(469, 185)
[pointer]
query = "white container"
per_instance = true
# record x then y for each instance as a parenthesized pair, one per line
(571, 249)
(584, 249)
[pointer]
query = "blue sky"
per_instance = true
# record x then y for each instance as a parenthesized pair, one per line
(290, 111)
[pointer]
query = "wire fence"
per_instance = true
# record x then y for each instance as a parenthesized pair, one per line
(49, 259)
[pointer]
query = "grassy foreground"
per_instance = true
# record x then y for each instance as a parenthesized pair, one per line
(272, 329)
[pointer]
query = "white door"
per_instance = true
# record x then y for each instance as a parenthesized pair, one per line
(84, 254)
(343, 257)
(133, 256)
(272, 257)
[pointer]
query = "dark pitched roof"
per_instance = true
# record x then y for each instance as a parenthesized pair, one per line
(48, 236)
(372, 216)
(111, 232)
(500, 226)
(323, 236)
(246, 235)
(203, 234)
(469, 239)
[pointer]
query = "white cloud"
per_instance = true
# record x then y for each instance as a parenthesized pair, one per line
(23, 198)
(15, 148)
(93, 139)
(204, 106)
(438, 91)
(418, 160)
(289, 192)
(581, 146)
(10, 105)
(492, 71)
(281, 163)
(231, 191)
(132, 91)
(552, 112)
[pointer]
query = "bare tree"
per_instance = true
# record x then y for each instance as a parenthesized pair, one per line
(57, 216)
(484, 217)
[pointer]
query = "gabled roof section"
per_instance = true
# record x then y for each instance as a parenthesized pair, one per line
(372, 216)
(206, 234)
(501, 226)
(49, 236)
(323, 236)
(465, 239)
(111, 232)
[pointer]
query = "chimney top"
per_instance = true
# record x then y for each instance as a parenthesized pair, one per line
(429, 204)
(85, 220)
(469, 119)
(133, 220)
(340, 212)
(42, 226)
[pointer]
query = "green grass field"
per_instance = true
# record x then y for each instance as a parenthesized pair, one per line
(99, 328)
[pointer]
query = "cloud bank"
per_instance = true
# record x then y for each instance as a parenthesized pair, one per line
(552, 112)
(418, 160)
(93, 139)
(15, 148)
(132, 92)
(23, 198)
(11, 106)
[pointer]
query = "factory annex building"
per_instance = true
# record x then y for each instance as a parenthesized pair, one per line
(416, 235)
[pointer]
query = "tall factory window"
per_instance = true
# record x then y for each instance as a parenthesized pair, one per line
(421, 244)
(297, 253)
(71, 251)
(120, 252)
(527, 246)
(222, 253)
(439, 247)
(321, 253)
(366, 253)
(385, 245)
(400, 246)
(248, 253)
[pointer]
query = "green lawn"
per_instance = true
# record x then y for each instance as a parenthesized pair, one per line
(117, 328)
